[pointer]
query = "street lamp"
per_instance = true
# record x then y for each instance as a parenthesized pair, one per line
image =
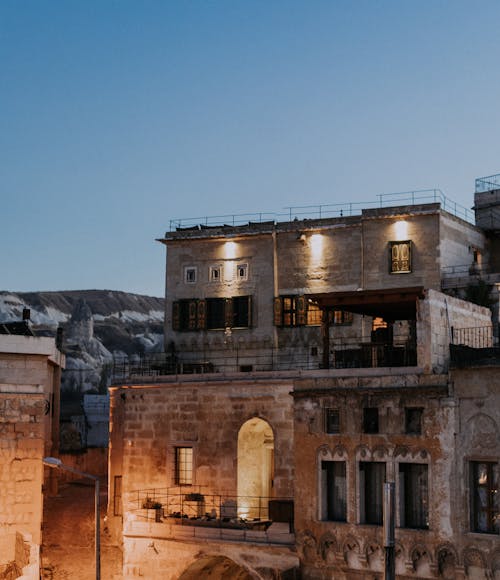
(56, 463)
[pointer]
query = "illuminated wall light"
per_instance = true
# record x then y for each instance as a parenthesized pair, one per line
(316, 245)
(401, 229)
(230, 250)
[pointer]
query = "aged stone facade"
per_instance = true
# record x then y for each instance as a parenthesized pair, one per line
(307, 362)
(30, 370)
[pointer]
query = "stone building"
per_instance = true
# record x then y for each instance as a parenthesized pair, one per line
(30, 375)
(308, 361)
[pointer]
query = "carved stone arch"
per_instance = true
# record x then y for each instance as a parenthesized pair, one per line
(401, 558)
(481, 432)
(362, 452)
(340, 451)
(328, 547)
(473, 558)
(401, 451)
(351, 550)
(421, 559)
(380, 452)
(324, 452)
(447, 561)
(308, 546)
(421, 454)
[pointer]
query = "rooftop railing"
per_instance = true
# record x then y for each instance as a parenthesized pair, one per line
(489, 183)
(321, 211)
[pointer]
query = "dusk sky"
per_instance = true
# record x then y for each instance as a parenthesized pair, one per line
(118, 116)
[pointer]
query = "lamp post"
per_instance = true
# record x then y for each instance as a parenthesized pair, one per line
(55, 463)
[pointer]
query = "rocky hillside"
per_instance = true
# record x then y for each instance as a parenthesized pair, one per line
(98, 325)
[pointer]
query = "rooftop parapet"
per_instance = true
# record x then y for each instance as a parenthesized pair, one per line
(323, 211)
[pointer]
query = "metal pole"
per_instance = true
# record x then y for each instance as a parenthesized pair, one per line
(97, 531)
(389, 540)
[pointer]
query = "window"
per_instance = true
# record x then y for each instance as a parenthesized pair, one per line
(413, 495)
(212, 313)
(485, 505)
(333, 491)
(301, 311)
(190, 274)
(242, 272)
(371, 484)
(400, 257)
(370, 420)
(215, 273)
(117, 496)
(216, 313)
(241, 311)
(332, 421)
(413, 420)
(183, 467)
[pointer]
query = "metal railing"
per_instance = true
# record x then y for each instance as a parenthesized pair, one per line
(488, 183)
(344, 353)
(191, 506)
(321, 211)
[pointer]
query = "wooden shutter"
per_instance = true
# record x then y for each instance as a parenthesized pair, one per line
(278, 311)
(193, 307)
(176, 321)
(301, 306)
(249, 311)
(228, 313)
(201, 312)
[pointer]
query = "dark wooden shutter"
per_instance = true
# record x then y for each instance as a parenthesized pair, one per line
(193, 307)
(301, 310)
(201, 311)
(228, 313)
(278, 311)
(249, 311)
(176, 320)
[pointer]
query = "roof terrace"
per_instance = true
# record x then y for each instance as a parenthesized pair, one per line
(291, 213)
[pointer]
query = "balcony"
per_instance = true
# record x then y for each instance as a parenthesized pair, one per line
(362, 352)
(183, 513)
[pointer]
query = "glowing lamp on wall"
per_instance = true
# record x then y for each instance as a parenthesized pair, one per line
(230, 250)
(316, 245)
(401, 230)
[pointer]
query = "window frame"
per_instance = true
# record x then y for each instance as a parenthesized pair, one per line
(212, 270)
(331, 411)
(329, 508)
(188, 270)
(409, 492)
(394, 268)
(375, 420)
(409, 430)
(363, 467)
(183, 476)
(491, 492)
(244, 267)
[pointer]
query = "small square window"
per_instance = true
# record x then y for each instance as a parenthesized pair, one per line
(370, 420)
(332, 420)
(413, 420)
(190, 274)
(242, 272)
(215, 273)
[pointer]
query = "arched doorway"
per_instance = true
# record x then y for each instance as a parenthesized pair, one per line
(255, 468)
(215, 568)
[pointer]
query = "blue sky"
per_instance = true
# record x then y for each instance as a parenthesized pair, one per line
(118, 116)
